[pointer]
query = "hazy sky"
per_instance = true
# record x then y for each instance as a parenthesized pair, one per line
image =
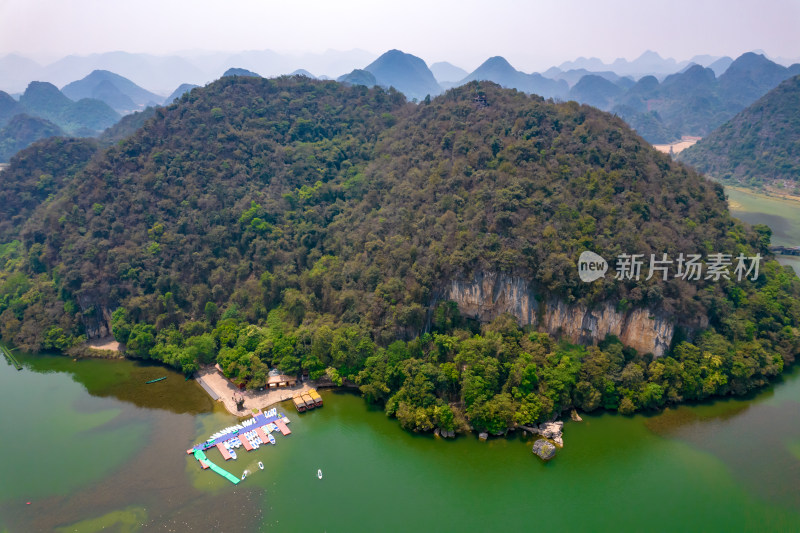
(532, 35)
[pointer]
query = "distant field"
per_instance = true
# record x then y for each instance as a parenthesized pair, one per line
(780, 214)
(677, 147)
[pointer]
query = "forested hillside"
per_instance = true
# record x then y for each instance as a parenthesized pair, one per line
(759, 146)
(22, 131)
(311, 225)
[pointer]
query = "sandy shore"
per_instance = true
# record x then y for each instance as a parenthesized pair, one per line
(252, 399)
(106, 343)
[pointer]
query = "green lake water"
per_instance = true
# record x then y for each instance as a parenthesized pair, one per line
(93, 448)
(783, 216)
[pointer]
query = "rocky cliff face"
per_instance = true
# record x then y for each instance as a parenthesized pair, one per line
(489, 295)
(96, 318)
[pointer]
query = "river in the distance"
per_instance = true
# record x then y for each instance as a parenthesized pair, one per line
(88, 446)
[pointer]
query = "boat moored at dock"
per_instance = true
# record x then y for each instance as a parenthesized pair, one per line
(257, 432)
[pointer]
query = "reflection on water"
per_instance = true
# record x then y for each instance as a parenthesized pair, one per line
(752, 437)
(126, 380)
(722, 466)
(112, 459)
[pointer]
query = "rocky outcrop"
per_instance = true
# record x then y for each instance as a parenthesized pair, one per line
(552, 431)
(489, 295)
(544, 449)
(548, 430)
(96, 318)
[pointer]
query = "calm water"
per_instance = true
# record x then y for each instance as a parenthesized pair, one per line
(92, 447)
(783, 216)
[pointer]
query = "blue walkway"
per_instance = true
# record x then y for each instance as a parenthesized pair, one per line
(261, 420)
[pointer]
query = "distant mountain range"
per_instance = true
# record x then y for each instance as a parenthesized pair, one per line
(692, 98)
(405, 72)
(500, 71)
(44, 111)
(86, 117)
(649, 63)
(695, 102)
(759, 146)
(120, 93)
(161, 74)
(692, 102)
(445, 72)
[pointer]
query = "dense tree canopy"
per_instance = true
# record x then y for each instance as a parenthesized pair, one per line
(311, 226)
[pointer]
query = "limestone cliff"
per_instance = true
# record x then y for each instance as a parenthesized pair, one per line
(96, 318)
(489, 295)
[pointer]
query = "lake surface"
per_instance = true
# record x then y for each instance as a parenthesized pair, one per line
(94, 448)
(783, 216)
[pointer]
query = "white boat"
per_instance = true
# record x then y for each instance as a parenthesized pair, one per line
(319, 474)
(233, 454)
(271, 438)
(244, 475)
(261, 465)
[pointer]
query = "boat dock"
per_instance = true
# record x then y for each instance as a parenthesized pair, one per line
(205, 463)
(261, 424)
(262, 435)
(223, 450)
(282, 427)
(11, 358)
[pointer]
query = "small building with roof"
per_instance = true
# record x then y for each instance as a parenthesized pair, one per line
(277, 380)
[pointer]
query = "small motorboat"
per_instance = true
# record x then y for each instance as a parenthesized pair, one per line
(271, 438)
(319, 474)
(233, 454)
(261, 465)
(244, 475)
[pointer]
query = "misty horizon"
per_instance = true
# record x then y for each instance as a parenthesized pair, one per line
(532, 36)
(204, 66)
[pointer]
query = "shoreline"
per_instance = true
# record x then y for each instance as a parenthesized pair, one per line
(764, 193)
(107, 343)
(210, 378)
